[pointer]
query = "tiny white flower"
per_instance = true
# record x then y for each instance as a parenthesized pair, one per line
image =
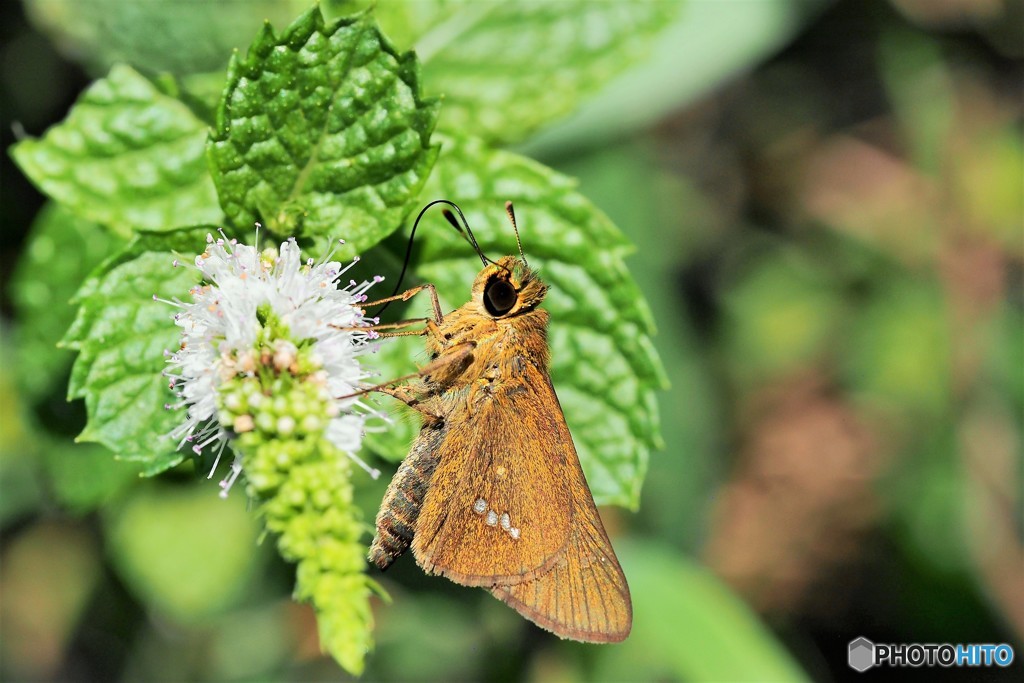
(225, 335)
(285, 426)
(285, 354)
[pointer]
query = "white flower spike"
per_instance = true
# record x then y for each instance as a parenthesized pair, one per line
(262, 321)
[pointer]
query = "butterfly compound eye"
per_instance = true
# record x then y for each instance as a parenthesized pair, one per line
(499, 297)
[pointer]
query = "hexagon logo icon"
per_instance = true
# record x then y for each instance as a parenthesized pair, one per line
(861, 654)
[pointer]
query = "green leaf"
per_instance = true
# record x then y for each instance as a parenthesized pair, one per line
(83, 477)
(505, 69)
(402, 22)
(61, 251)
(677, 601)
(202, 93)
(120, 334)
(714, 40)
(184, 550)
(179, 37)
(128, 156)
(322, 132)
(603, 363)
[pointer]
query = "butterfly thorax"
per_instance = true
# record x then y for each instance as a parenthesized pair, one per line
(502, 342)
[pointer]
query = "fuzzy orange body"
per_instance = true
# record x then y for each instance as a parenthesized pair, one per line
(492, 493)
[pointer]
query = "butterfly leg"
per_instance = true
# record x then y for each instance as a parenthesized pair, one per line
(387, 326)
(404, 333)
(406, 393)
(431, 328)
(408, 294)
(413, 398)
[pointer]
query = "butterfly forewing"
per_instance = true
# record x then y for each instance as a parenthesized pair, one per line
(499, 508)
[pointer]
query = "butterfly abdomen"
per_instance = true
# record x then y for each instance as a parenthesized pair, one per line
(396, 521)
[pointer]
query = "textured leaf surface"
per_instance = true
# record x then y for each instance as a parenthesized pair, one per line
(62, 249)
(179, 37)
(506, 68)
(604, 366)
(120, 334)
(127, 156)
(322, 130)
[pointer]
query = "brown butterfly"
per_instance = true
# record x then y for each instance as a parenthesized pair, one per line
(492, 493)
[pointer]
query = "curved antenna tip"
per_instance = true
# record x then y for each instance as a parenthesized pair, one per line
(462, 229)
(512, 217)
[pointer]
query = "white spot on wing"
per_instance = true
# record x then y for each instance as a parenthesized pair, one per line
(506, 521)
(480, 506)
(492, 518)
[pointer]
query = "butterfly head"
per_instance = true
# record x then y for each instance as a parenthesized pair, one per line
(507, 287)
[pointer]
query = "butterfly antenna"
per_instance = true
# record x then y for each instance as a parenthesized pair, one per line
(512, 217)
(467, 234)
(464, 230)
(472, 240)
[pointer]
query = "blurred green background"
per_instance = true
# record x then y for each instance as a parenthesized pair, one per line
(827, 201)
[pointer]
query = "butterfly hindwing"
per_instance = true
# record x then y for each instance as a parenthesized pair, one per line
(584, 596)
